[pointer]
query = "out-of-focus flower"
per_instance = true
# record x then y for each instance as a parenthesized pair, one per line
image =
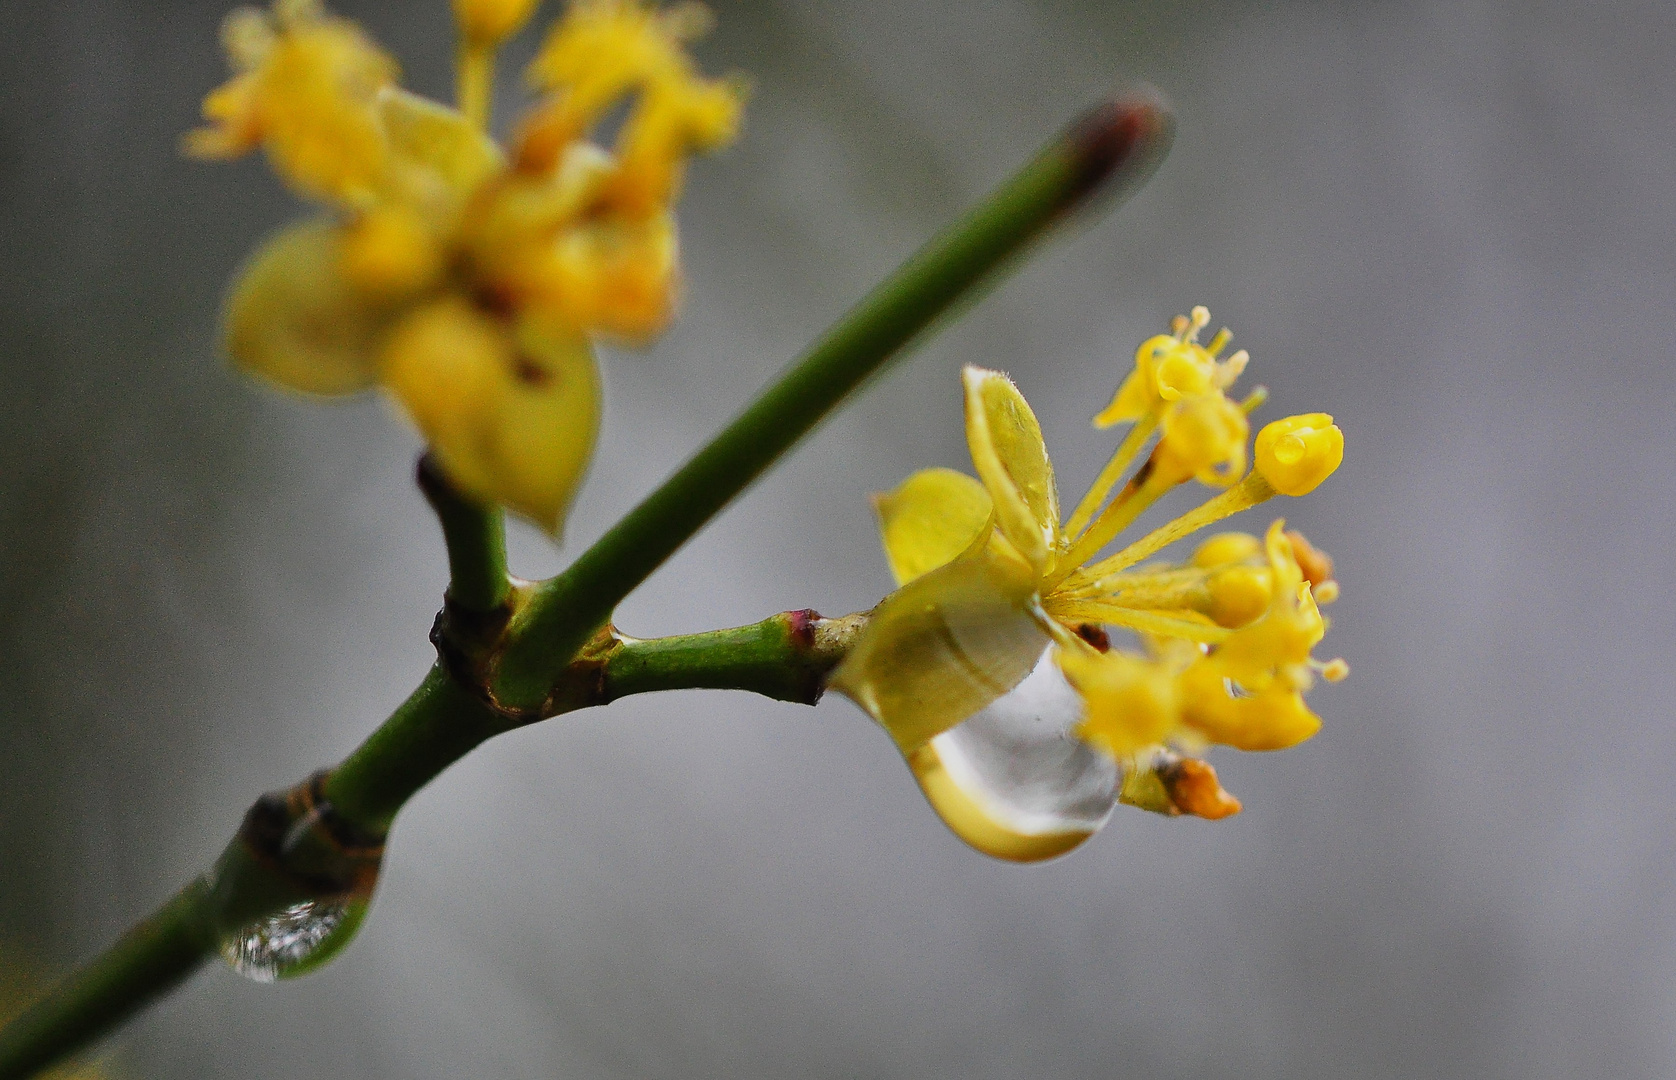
(468, 280)
(990, 578)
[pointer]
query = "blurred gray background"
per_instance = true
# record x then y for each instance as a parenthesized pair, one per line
(1448, 223)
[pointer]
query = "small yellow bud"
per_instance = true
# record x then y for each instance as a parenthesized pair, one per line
(1239, 594)
(1228, 547)
(1204, 437)
(1180, 370)
(1326, 592)
(1295, 454)
(489, 22)
(1335, 670)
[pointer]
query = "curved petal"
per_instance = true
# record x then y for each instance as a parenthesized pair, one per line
(431, 143)
(512, 417)
(930, 519)
(1272, 718)
(1011, 781)
(293, 317)
(1130, 702)
(1007, 449)
(943, 646)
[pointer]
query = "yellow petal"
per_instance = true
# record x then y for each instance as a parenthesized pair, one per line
(437, 142)
(1273, 718)
(512, 417)
(1007, 449)
(1132, 401)
(929, 519)
(943, 646)
(1130, 703)
(294, 318)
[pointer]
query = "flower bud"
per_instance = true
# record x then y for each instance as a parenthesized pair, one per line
(1295, 454)
(1239, 594)
(1225, 548)
(1204, 437)
(488, 22)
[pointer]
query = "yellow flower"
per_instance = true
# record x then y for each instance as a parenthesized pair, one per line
(468, 281)
(990, 577)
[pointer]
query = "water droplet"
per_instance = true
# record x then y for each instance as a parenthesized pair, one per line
(1012, 780)
(297, 940)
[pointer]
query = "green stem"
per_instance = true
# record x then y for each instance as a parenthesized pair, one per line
(786, 656)
(147, 962)
(476, 539)
(1113, 149)
(436, 726)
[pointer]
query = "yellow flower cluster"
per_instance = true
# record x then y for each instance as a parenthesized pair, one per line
(990, 577)
(469, 280)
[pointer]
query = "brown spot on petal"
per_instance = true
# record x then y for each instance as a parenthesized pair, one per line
(528, 373)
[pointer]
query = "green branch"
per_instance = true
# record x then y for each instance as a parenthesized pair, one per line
(145, 963)
(322, 839)
(785, 656)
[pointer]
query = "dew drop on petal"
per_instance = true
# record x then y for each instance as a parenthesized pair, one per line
(298, 939)
(1012, 780)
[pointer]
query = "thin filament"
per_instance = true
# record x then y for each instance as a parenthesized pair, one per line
(1125, 456)
(1130, 504)
(475, 85)
(1247, 493)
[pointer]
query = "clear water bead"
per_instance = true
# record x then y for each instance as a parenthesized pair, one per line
(1013, 780)
(297, 939)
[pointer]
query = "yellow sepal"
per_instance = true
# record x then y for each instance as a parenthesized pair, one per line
(438, 156)
(1012, 461)
(944, 645)
(511, 413)
(929, 519)
(294, 317)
